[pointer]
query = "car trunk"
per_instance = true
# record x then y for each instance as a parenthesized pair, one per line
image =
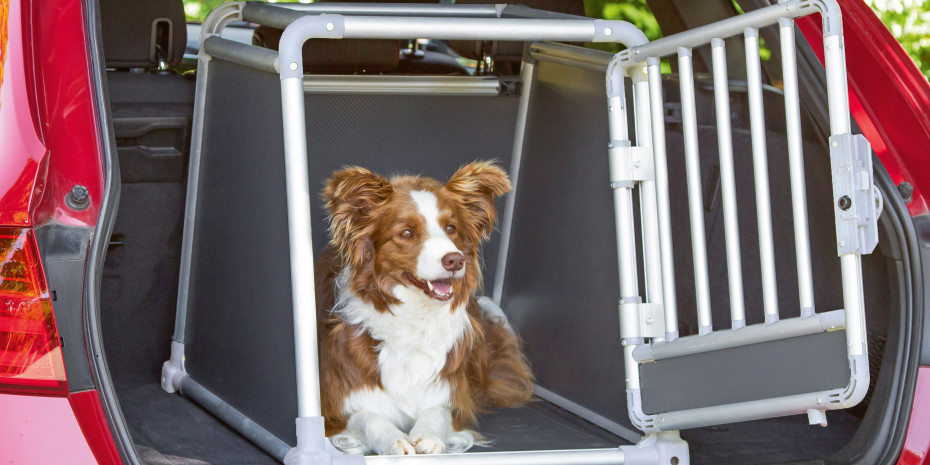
(556, 279)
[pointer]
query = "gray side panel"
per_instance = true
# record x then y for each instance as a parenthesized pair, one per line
(239, 340)
(760, 371)
(561, 287)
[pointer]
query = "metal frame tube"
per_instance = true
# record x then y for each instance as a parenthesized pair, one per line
(670, 301)
(796, 167)
(743, 411)
(613, 456)
(527, 74)
(854, 303)
(301, 248)
(851, 264)
(695, 196)
(281, 15)
(617, 429)
(649, 214)
(262, 59)
(618, 132)
(761, 174)
(626, 243)
(387, 27)
(728, 183)
(213, 25)
(236, 420)
(753, 334)
(570, 55)
(837, 92)
(623, 205)
(472, 86)
(433, 22)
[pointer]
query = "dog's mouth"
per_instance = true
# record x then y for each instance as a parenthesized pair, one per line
(439, 289)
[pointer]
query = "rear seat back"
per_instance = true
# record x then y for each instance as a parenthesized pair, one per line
(151, 106)
(507, 55)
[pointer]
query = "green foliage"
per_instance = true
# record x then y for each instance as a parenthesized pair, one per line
(197, 10)
(633, 11)
(909, 22)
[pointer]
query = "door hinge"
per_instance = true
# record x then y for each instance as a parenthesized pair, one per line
(857, 203)
(639, 320)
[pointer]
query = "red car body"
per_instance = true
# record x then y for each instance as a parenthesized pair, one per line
(51, 140)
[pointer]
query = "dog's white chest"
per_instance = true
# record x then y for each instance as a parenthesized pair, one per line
(414, 343)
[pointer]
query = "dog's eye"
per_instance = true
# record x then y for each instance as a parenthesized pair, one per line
(450, 229)
(406, 234)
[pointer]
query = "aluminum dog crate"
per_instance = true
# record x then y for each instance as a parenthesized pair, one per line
(762, 363)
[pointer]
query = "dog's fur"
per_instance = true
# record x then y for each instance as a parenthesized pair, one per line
(405, 366)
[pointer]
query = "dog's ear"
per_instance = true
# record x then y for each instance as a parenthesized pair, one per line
(476, 185)
(352, 196)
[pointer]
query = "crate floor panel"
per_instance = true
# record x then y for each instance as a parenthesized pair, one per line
(169, 429)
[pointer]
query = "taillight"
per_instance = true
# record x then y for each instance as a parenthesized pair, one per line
(30, 351)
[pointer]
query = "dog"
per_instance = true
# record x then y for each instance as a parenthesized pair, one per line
(408, 357)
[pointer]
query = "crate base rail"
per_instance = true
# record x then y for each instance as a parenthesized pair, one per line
(654, 448)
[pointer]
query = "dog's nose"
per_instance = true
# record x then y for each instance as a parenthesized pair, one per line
(453, 261)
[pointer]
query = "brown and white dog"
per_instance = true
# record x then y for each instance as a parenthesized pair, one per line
(407, 356)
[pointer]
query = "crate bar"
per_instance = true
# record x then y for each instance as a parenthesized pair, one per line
(761, 175)
(728, 183)
(796, 167)
(753, 334)
(670, 300)
(647, 190)
(613, 456)
(652, 262)
(695, 197)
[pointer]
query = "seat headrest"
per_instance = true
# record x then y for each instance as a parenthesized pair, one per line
(138, 34)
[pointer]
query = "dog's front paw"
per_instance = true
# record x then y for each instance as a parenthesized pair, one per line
(427, 445)
(399, 446)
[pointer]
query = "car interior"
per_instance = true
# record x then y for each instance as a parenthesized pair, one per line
(561, 273)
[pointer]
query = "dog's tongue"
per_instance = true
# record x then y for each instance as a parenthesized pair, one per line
(441, 286)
